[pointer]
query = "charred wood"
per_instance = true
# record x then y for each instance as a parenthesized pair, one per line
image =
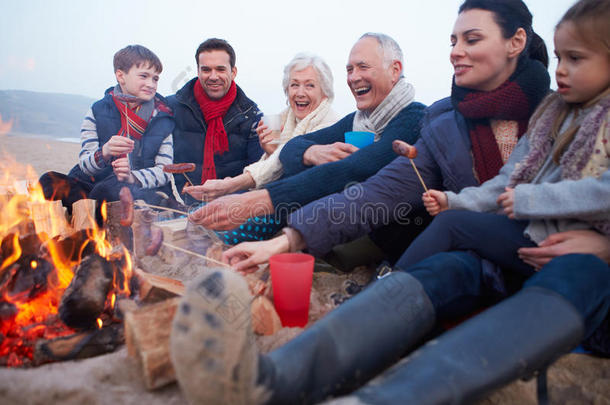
(80, 345)
(85, 298)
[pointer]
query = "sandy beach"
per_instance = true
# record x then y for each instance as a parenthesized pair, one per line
(41, 154)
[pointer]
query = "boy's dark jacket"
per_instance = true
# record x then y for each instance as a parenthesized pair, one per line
(108, 124)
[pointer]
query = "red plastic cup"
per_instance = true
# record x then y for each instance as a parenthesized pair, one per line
(291, 275)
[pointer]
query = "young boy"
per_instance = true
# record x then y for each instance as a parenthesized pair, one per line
(126, 138)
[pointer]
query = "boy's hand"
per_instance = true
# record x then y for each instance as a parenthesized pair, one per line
(435, 201)
(116, 146)
(121, 169)
(507, 202)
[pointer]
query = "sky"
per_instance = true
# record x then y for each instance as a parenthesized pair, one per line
(66, 46)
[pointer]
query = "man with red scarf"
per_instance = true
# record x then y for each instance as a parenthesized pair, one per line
(215, 121)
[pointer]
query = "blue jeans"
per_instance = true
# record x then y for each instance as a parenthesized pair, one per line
(453, 282)
(493, 237)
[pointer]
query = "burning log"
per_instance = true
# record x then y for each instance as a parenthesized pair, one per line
(73, 247)
(79, 345)
(25, 279)
(8, 311)
(147, 332)
(85, 298)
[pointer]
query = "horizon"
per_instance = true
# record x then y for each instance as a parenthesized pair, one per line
(75, 56)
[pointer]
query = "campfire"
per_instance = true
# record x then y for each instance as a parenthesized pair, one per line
(59, 282)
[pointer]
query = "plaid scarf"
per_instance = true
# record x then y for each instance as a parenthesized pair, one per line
(133, 123)
(514, 100)
(216, 142)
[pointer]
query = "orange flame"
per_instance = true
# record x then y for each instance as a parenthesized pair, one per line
(99, 323)
(23, 208)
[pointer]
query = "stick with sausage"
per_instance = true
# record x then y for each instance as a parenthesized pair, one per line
(126, 207)
(402, 148)
(182, 168)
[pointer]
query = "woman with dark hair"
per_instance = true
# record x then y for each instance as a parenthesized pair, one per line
(465, 140)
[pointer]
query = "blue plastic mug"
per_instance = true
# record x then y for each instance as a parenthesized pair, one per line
(359, 139)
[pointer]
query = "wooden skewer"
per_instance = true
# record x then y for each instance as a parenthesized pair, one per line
(401, 148)
(196, 255)
(143, 204)
(418, 175)
(189, 180)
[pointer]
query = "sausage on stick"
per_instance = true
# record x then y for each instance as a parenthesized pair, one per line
(182, 168)
(409, 151)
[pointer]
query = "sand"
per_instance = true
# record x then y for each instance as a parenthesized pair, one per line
(41, 154)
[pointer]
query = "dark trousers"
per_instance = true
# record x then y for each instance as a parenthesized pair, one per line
(453, 282)
(68, 189)
(492, 236)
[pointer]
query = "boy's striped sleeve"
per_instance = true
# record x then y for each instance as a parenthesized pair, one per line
(90, 156)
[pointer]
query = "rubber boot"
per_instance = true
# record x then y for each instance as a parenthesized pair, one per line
(216, 360)
(514, 339)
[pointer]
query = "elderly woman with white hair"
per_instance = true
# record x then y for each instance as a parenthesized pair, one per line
(308, 85)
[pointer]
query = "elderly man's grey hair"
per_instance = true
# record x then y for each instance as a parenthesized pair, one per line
(303, 61)
(391, 49)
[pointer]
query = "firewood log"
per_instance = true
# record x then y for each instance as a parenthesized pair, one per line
(147, 333)
(154, 288)
(83, 214)
(265, 320)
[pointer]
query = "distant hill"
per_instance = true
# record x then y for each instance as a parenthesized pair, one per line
(51, 114)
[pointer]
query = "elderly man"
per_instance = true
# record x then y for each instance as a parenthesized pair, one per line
(215, 121)
(320, 163)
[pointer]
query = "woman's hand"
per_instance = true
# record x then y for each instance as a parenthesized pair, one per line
(215, 188)
(246, 256)
(563, 243)
(122, 171)
(435, 201)
(117, 145)
(265, 137)
(319, 154)
(507, 201)
(211, 189)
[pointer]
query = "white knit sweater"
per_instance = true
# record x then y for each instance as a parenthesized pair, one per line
(269, 167)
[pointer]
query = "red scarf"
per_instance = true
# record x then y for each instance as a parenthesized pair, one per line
(515, 100)
(216, 142)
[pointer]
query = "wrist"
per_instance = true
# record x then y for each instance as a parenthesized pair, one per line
(259, 202)
(308, 159)
(294, 239)
(243, 181)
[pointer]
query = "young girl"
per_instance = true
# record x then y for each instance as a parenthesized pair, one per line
(561, 181)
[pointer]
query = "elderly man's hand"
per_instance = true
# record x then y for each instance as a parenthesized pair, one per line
(564, 243)
(230, 211)
(319, 154)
